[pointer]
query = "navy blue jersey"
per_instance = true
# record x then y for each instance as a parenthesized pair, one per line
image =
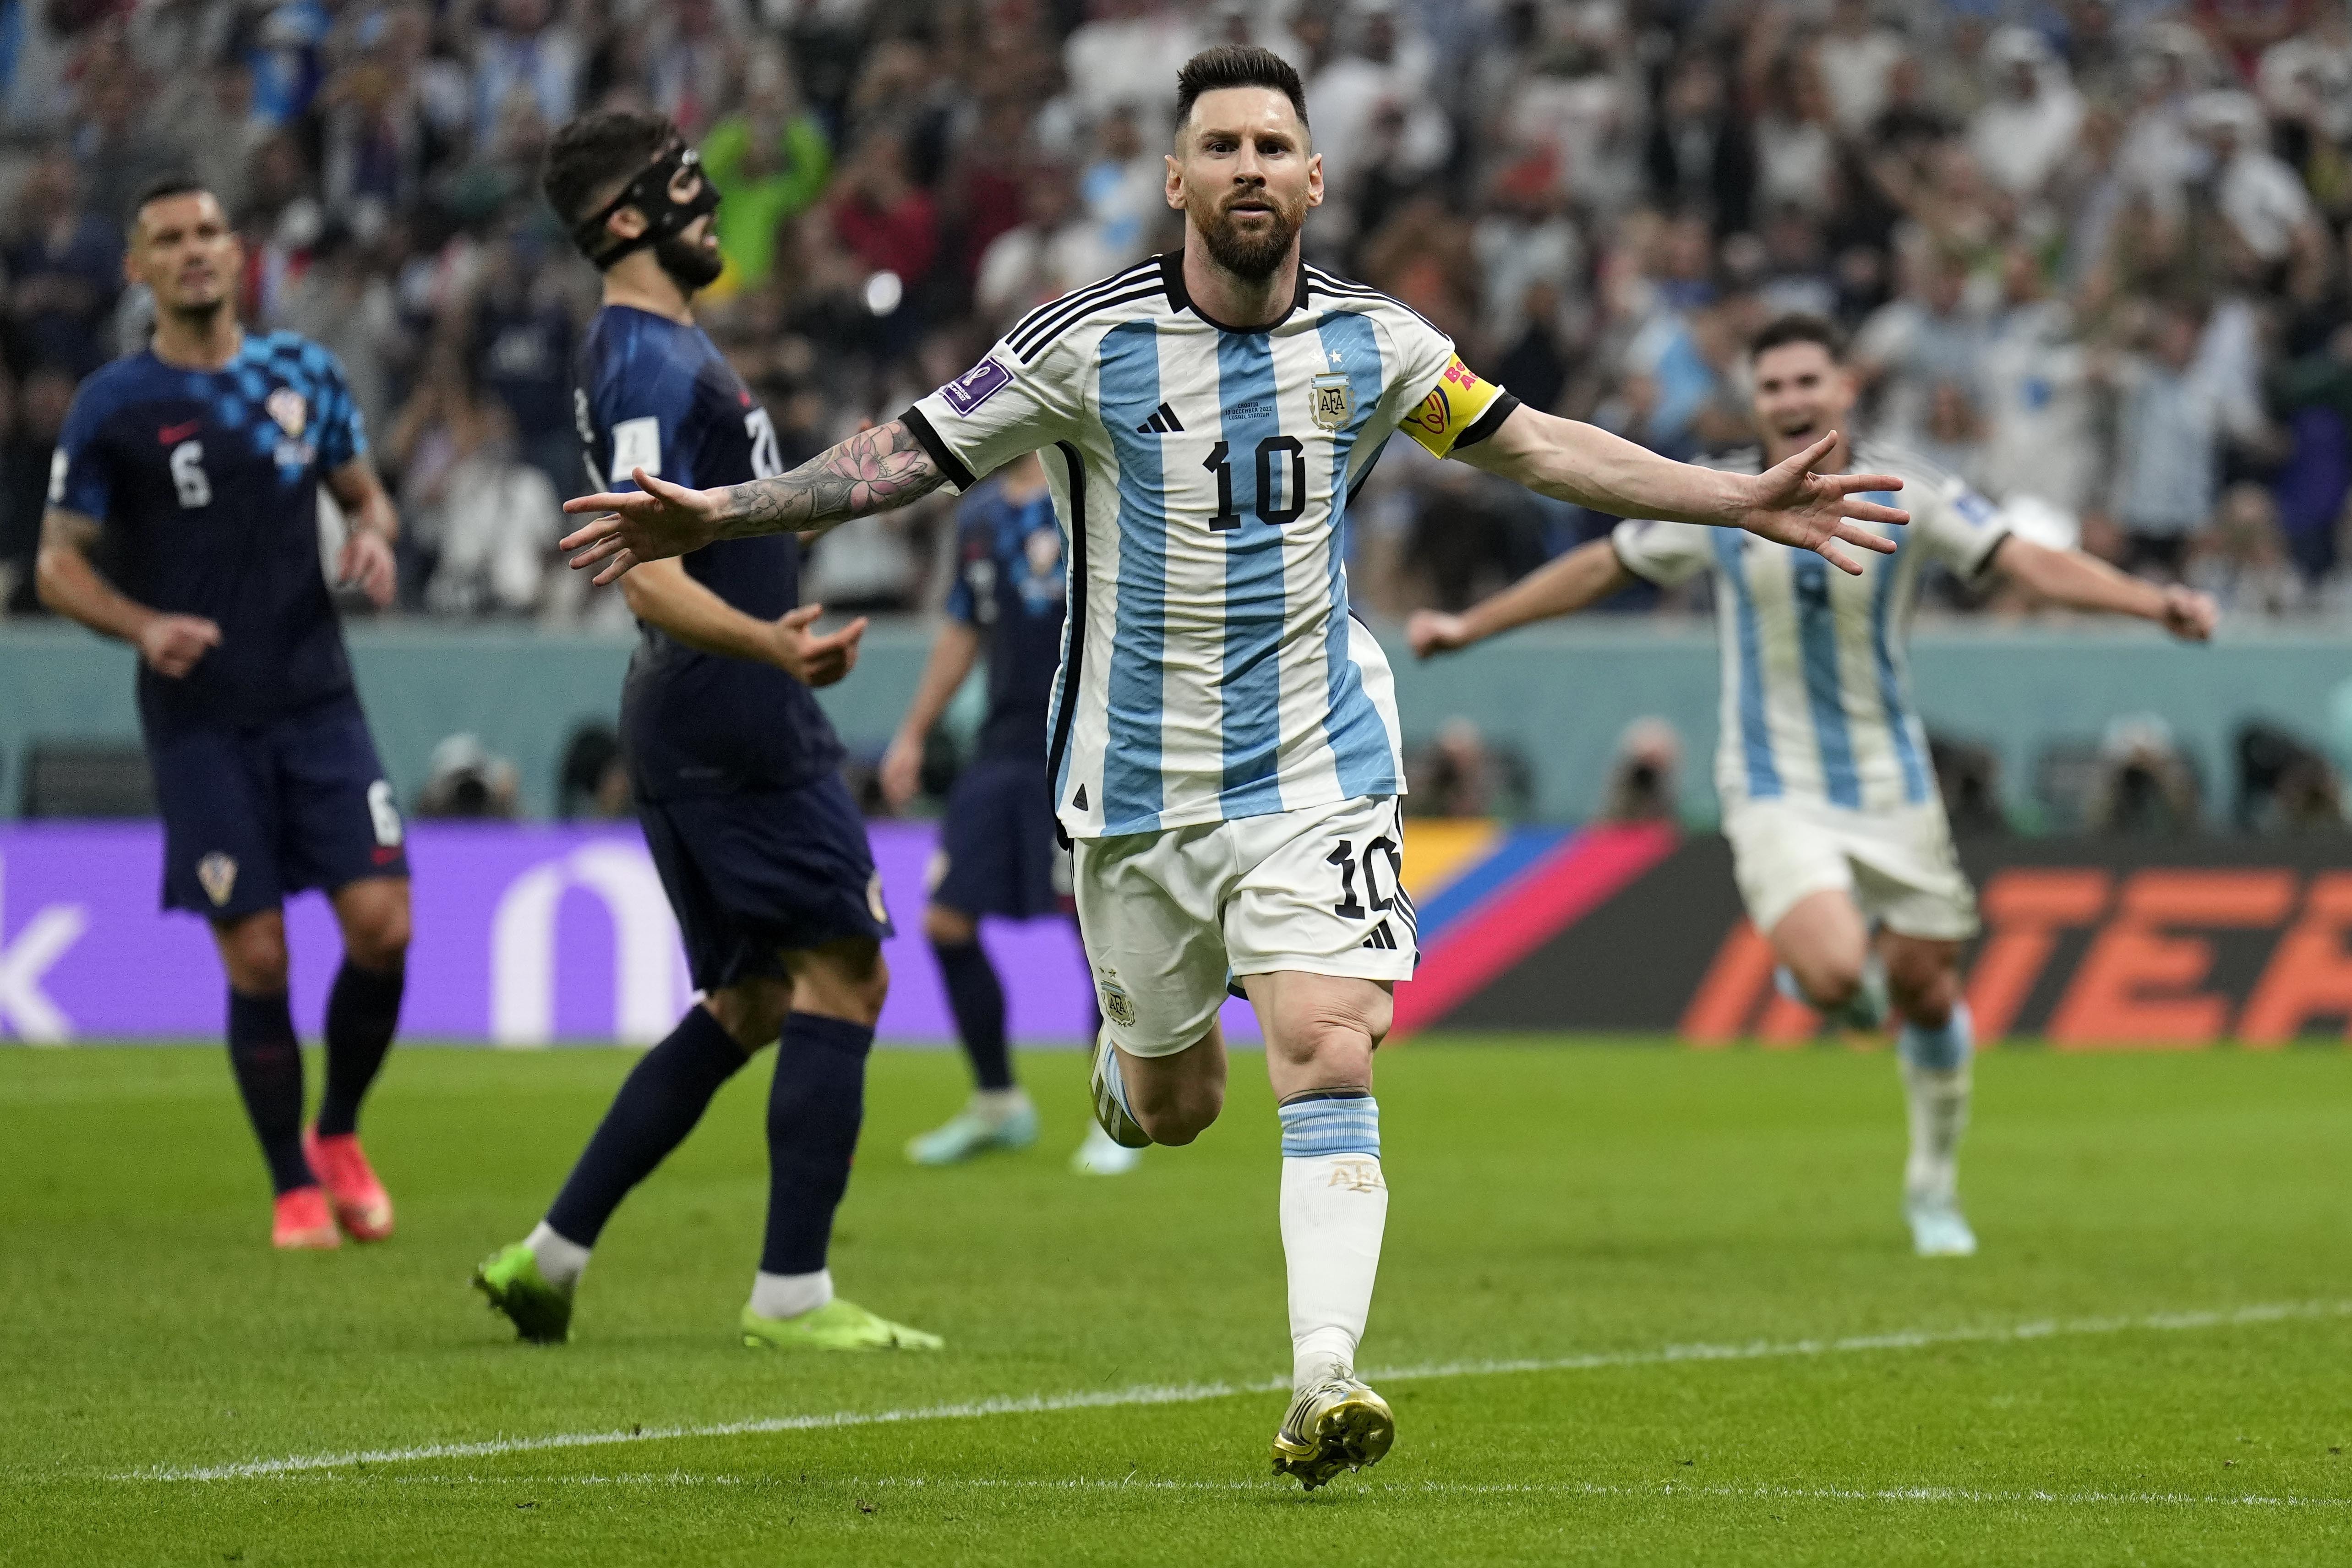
(1011, 586)
(658, 396)
(207, 483)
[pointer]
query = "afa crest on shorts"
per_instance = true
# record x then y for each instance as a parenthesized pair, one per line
(1334, 401)
(1117, 1006)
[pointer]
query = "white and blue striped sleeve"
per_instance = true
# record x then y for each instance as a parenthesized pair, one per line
(1666, 554)
(999, 409)
(1952, 522)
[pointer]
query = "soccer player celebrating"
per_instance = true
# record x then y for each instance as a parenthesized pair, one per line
(197, 461)
(735, 769)
(1832, 815)
(1223, 743)
(997, 856)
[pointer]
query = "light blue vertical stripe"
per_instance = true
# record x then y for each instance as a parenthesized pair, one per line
(1131, 392)
(1252, 681)
(1359, 741)
(1755, 736)
(1817, 641)
(1891, 695)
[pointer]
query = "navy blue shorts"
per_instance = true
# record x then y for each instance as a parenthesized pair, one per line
(252, 814)
(753, 875)
(997, 854)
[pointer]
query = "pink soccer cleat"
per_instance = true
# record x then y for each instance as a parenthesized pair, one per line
(362, 1206)
(303, 1223)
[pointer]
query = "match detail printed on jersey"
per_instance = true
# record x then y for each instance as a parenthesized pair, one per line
(1816, 664)
(1211, 670)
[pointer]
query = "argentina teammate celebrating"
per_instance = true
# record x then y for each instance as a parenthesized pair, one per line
(1223, 746)
(735, 769)
(1829, 800)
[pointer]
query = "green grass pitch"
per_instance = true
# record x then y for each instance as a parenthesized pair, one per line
(2151, 1361)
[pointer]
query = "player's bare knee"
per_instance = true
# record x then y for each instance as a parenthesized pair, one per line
(253, 952)
(845, 980)
(375, 935)
(1829, 981)
(751, 1011)
(1925, 992)
(944, 927)
(1176, 1113)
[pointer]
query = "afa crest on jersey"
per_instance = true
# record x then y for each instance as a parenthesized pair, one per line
(1333, 401)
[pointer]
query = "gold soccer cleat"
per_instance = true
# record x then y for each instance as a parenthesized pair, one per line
(1338, 1424)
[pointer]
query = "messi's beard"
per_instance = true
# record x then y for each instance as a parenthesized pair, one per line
(690, 265)
(1253, 255)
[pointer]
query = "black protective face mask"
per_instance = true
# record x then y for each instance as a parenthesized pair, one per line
(665, 215)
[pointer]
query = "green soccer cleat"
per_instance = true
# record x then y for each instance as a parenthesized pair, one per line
(540, 1311)
(838, 1325)
(972, 1130)
(1338, 1424)
(1110, 1107)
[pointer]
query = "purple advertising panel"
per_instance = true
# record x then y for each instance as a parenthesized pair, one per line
(525, 935)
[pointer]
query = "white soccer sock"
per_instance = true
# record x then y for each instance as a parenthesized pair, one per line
(561, 1259)
(1000, 1105)
(1937, 1081)
(790, 1295)
(1335, 1206)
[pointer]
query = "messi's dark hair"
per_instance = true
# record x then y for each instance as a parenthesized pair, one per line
(1798, 327)
(1237, 65)
(596, 154)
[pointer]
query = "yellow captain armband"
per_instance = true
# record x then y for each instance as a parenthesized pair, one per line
(1460, 409)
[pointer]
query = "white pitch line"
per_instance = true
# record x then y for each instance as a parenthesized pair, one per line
(1196, 1392)
(1758, 1492)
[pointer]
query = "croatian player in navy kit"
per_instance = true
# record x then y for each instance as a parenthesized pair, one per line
(735, 769)
(997, 853)
(198, 462)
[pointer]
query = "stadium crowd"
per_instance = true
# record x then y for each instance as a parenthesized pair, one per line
(2096, 256)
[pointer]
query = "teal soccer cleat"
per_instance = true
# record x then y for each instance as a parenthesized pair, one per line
(974, 1130)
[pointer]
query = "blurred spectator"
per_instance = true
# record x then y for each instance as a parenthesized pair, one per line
(770, 162)
(1458, 775)
(2034, 385)
(1926, 338)
(345, 304)
(2285, 785)
(1057, 246)
(1967, 778)
(30, 417)
(523, 334)
(1700, 157)
(464, 779)
(1855, 57)
(523, 52)
(1122, 187)
(2030, 115)
(2145, 786)
(1646, 776)
(2167, 459)
(64, 263)
(594, 779)
(2243, 559)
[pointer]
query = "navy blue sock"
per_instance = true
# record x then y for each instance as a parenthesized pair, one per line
(977, 999)
(814, 1111)
(268, 1061)
(660, 1101)
(362, 1011)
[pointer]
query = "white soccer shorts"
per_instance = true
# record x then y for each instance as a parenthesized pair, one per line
(1169, 916)
(1898, 866)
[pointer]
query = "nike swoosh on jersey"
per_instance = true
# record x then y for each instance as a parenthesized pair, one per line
(173, 435)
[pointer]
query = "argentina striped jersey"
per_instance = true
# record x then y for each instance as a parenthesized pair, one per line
(1816, 669)
(1211, 669)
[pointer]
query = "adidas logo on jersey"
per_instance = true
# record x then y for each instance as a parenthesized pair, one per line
(1163, 422)
(1382, 938)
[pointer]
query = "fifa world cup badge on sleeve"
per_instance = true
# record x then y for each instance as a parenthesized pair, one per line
(1335, 400)
(976, 385)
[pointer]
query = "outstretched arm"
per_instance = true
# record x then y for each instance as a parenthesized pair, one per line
(69, 585)
(1578, 580)
(2083, 582)
(1789, 503)
(874, 470)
